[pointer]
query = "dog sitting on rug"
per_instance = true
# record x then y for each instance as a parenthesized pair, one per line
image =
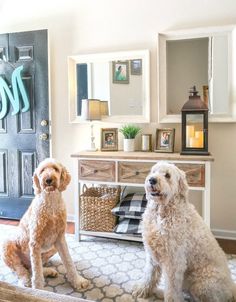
(179, 244)
(41, 232)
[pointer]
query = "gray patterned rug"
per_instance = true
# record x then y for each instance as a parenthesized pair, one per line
(112, 266)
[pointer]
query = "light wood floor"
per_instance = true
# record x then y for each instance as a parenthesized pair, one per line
(70, 225)
(229, 246)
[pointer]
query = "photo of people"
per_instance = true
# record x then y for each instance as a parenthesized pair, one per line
(121, 72)
(165, 139)
(109, 139)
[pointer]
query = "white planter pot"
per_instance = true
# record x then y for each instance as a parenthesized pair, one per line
(129, 144)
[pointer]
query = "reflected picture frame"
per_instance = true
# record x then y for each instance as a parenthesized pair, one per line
(120, 72)
(136, 67)
(109, 139)
(165, 139)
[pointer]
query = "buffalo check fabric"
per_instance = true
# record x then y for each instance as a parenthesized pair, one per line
(131, 206)
(129, 226)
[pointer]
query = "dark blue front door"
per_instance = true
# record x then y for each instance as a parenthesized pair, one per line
(24, 137)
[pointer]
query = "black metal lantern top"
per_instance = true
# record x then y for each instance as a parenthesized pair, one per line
(194, 103)
(194, 125)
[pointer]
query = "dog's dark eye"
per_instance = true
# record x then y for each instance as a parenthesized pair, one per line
(167, 175)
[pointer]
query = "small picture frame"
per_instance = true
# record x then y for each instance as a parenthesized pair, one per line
(109, 139)
(120, 71)
(165, 139)
(136, 67)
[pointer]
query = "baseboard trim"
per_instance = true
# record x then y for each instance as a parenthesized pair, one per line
(218, 233)
(70, 218)
(224, 234)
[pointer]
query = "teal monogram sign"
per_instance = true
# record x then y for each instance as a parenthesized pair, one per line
(13, 97)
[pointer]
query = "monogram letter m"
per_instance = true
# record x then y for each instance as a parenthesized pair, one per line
(17, 85)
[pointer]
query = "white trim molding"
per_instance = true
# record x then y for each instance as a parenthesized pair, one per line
(70, 218)
(224, 234)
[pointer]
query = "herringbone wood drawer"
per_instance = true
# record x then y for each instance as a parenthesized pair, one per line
(133, 172)
(97, 170)
(195, 174)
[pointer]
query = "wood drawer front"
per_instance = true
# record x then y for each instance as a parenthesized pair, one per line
(97, 170)
(195, 174)
(133, 172)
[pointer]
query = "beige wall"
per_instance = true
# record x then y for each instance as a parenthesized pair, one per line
(88, 26)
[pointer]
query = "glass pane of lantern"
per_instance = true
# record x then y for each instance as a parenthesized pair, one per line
(194, 131)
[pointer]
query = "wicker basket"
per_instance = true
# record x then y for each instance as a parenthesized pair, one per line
(95, 208)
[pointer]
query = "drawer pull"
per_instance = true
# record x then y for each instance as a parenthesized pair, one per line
(95, 171)
(137, 173)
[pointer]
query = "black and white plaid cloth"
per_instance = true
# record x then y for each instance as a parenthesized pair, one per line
(129, 226)
(131, 206)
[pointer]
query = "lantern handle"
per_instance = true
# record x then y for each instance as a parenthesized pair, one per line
(193, 91)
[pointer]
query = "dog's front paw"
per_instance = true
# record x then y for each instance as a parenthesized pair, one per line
(50, 272)
(80, 282)
(24, 281)
(141, 290)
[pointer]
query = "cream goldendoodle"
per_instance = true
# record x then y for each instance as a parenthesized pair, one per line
(41, 232)
(179, 245)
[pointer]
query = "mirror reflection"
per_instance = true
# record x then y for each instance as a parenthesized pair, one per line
(119, 82)
(187, 65)
(200, 57)
(121, 79)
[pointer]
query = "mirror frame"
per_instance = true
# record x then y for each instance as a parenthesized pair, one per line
(230, 31)
(113, 56)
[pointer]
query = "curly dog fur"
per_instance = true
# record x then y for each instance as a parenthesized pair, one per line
(41, 232)
(179, 244)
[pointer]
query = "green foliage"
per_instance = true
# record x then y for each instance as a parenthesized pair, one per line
(130, 131)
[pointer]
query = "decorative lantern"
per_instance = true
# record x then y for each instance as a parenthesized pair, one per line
(194, 125)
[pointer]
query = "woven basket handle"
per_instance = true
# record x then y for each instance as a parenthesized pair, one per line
(84, 188)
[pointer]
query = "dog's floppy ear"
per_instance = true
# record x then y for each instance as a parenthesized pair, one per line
(36, 185)
(65, 179)
(183, 185)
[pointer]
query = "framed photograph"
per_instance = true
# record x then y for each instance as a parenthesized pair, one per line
(109, 139)
(165, 139)
(136, 67)
(120, 71)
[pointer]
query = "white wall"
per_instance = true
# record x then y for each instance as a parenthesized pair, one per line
(88, 26)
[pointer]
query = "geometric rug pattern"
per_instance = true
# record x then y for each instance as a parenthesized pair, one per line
(112, 266)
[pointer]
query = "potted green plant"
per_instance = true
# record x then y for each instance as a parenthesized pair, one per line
(129, 132)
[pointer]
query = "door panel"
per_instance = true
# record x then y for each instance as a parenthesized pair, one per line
(20, 146)
(27, 161)
(3, 173)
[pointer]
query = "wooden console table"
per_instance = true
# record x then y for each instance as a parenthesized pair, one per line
(131, 169)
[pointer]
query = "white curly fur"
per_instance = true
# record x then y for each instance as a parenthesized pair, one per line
(41, 232)
(179, 244)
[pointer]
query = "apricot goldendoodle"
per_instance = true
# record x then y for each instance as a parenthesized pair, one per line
(179, 244)
(41, 232)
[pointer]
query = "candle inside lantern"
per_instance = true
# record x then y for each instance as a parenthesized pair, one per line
(199, 136)
(193, 142)
(189, 134)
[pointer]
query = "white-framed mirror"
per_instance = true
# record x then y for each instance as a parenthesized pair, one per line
(121, 78)
(204, 57)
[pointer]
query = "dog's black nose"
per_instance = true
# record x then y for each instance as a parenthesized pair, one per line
(48, 181)
(152, 180)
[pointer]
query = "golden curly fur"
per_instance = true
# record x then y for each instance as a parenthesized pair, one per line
(179, 244)
(41, 232)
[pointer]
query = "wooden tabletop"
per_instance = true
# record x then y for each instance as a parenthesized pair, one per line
(141, 156)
